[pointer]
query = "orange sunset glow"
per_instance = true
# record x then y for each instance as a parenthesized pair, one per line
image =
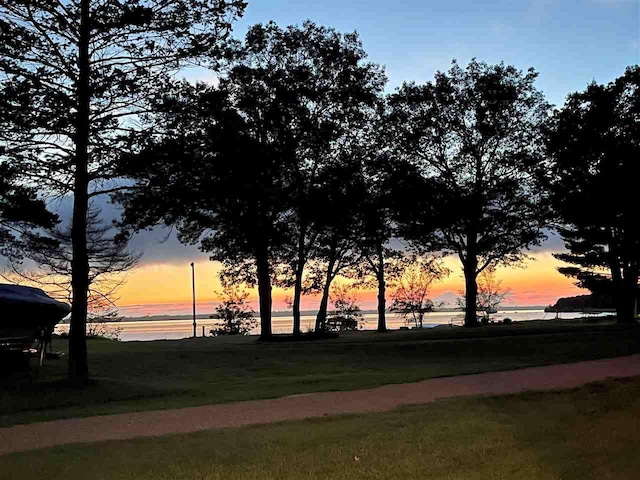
(156, 289)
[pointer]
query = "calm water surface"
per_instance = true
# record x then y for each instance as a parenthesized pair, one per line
(175, 329)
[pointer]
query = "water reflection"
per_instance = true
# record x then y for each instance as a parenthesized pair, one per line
(144, 330)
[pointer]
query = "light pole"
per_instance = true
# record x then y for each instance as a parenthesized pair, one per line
(193, 287)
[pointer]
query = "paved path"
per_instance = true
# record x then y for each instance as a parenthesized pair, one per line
(192, 419)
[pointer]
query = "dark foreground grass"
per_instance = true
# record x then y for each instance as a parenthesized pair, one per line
(135, 376)
(582, 434)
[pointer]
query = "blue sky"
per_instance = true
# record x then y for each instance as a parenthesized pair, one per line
(570, 42)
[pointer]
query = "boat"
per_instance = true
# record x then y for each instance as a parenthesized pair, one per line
(27, 313)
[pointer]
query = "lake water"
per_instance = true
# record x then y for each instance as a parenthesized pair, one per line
(143, 330)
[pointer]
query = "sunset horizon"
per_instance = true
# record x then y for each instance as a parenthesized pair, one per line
(537, 283)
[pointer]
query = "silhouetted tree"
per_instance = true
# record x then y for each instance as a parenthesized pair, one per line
(215, 171)
(108, 256)
(330, 89)
(474, 137)
(337, 224)
(377, 257)
(79, 73)
(239, 165)
(22, 214)
(594, 144)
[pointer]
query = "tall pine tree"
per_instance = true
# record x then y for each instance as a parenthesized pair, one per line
(594, 146)
(79, 74)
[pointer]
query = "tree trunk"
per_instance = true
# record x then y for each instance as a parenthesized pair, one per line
(617, 291)
(297, 288)
(470, 267)
(627, 298)
(264, 293)
(78, 371)
(471, 293)
(470, 263)
(624, 295)
(321, 318)
(382, 287)
(297, 295)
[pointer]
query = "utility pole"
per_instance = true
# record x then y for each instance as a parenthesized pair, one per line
(193, 286)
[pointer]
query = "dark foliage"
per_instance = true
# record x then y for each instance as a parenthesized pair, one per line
(108, 255)
(216, 175)
(331, 91)
(384, 195)
(474, 138)
(594, 144)
(78, 75)
(244, 168)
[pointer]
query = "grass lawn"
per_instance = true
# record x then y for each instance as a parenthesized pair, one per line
(582, 434)
(132, 376)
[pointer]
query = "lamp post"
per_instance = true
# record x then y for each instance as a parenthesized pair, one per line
(193, 287)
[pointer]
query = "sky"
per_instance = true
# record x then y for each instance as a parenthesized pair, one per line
(569, 42)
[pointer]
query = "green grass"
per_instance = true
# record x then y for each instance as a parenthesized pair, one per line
(586, 433)
(136, 376)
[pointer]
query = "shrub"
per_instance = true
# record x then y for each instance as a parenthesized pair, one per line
(234, 316)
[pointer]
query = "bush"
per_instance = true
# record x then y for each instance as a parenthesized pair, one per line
(346, 315)
(234, 315)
